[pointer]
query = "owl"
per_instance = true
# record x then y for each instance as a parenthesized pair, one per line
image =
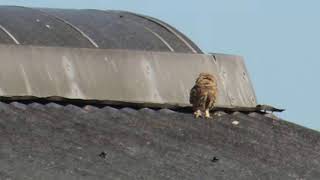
(203, 95)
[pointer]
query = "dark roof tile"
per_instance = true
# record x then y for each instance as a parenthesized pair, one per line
(66, 143)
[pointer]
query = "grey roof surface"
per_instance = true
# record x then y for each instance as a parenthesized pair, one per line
(54, 141)
(90, 29)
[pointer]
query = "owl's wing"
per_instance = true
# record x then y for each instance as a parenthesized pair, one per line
(193, 95)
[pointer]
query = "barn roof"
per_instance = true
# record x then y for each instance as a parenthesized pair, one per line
(90, 28)
(54, 141)
(45, 138)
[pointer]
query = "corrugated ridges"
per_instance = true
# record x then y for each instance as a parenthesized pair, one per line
(64, 142)
(89, 28)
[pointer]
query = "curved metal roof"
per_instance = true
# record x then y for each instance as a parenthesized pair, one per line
(90, 29)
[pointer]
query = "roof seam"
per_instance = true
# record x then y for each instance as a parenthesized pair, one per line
(9, 34)
(66, 22)
(167, 28)
(158, 36)
(147, 33)
(72, 26)
(151, 31)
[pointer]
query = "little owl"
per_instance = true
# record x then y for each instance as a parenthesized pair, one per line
(203, 95)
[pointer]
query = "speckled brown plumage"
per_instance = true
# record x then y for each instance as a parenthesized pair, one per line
(203, 95)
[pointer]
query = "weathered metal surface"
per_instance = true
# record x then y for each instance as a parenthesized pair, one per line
(119, 75)
(153, 24)
(74, 27)
(173, 31)
(235, 79)
(28, 26)
(89, 29)
(67, 142)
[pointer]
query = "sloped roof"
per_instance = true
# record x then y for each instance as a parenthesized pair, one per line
(90, 29)
(69, 142)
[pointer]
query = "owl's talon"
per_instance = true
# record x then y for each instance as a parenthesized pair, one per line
(197, 114)
(207, 116)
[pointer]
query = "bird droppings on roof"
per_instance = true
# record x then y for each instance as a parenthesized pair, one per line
(51, 141)
(48, 26)
(272, 116)
(219, 113)
(235, 122)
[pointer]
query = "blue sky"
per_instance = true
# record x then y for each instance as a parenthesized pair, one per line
(280, 41)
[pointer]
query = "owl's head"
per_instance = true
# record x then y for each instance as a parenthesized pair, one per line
(205, 77)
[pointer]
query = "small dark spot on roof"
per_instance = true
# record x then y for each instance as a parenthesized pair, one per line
(103, 155)
(214, 159)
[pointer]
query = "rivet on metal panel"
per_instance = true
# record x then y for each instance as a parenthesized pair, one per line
(48, 26)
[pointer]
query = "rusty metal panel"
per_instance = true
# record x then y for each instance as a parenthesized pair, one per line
(119, 75)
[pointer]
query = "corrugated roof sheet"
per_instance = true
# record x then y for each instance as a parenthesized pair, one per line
(53, 141)
(90, 29)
